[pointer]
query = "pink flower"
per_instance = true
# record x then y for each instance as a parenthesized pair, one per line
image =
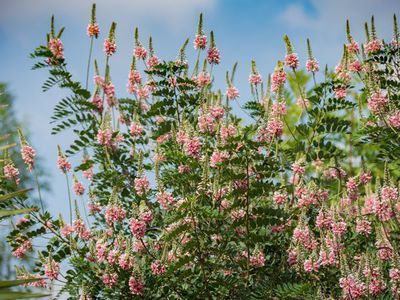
(136, 286)
(28, 155)
(22, 249)
(394, 120)
(97, 102)
(310, 266)
(140, 52)
(377, 102)
(273, 129)
(136, 129)
(312, 65)
(67, 230)
(280, 198)
(278, 79)
(298, 168)
(193, 147)
(355, 66)
(138, 228)
(257, 259)
(93, 29)
(324, 220)
(203, 79)
(340, 93)
(157, 268)
(303, 103)
(184, 169)
(352, 287)
(363, 227)
(373, 46)
(165, 199)
(255, 79)
(110, 47)
(232, 93)
(292, 60)
(104, 137)
(213, 56)
(142, 185)
(114, 213)
(339, 228)
(227, 132)
(218, 157)
(389, 193)
(56, 47)
(278, 109)
(11, 173)
(79, 189)
(63, 164)
(152, 61)
(217, 112)
(110, 280)
(200, 42)
(52, 269)
(135, 76)
(206, 123)
(353, 47)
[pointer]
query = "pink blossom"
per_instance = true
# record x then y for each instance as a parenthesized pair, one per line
(110, 47)
(125, 261)
(200, 42)
(389, 193)
(218, 157)
(394, 120)
(227, 132)
(67, 230)
(110, 280)
(278, 109)
(312, 65)
(352, 287)
(363, 227)
(79, 189)
(165, 199)
(136, 286)
(63, 164)
(104, 137)
(278, 79)
(135, 77)
(355, 66)
(255, 78)
(324, 220)
(193, 147)
(52, 269)
(310, 266)
(138, 228)
(292, 60)
(97, 102)
(232, 93)
(93, 30)
(373, 46)
(157, 268)
(273, 129)
(298, 168)
(206, 123)
(339, 228)
(136, 129)
(203, 79)
(377, 102)
(184, 169)
(280, 198)
(140, 52)
(217, 112)
(340, 93)
(56, 47)
(257, 259)
(28, 155)
(22, 249)
(353, 47)
(152, 61)
(11, 173)
(114, 213)
(213, 56)
(142, 185)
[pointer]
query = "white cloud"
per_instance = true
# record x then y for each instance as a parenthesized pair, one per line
(325, 25)
(172, 13)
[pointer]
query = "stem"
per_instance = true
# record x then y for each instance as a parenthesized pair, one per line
(88, 64)
(69, 199)
(38, 187)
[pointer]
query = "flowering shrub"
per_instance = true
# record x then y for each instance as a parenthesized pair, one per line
(187, 201)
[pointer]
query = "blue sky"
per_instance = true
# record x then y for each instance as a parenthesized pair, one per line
(244, 30)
